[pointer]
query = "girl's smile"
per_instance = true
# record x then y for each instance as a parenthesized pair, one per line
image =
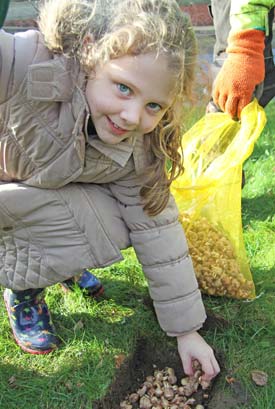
(129, 95)
(117, 130)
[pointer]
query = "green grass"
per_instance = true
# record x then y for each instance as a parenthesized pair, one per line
(93, 333)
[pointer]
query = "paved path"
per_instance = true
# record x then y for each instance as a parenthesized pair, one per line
(21, 10)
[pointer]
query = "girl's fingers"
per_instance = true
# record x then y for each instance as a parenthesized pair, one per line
(187, 365)
(210, 367)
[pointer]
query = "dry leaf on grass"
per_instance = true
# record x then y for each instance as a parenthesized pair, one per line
(119, 359)
(78, 326)
(230, 379)
(69, 386)
(12, 382)
(80, 384)
(259, 377)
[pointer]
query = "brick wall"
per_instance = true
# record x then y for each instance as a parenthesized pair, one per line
(199, 14)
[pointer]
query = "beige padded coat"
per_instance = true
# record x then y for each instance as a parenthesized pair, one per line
(68, 200)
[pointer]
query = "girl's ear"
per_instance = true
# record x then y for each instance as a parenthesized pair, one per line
(89, 38)
(88, 42)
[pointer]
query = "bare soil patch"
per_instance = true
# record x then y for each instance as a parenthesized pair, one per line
(149, 357)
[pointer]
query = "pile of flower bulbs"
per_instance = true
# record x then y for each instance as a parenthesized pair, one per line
(162, 391)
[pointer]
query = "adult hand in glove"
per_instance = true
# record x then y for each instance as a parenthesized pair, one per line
(4, 5)
(242, 70)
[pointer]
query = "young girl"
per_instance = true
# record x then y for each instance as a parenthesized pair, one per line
(89, 116)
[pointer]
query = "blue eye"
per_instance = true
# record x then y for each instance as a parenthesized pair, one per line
(154, 107)
(123, 89)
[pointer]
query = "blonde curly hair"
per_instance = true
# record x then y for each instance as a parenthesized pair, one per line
(131, 27)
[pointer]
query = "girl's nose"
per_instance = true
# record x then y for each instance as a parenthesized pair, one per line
(131, 113)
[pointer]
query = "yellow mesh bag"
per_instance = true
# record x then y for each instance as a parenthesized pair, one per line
(208, 195)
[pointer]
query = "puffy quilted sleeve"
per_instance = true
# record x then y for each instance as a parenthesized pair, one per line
(161, 247)
(6, 63)
(17, 52)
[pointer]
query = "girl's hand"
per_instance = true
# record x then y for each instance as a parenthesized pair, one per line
(192, 346)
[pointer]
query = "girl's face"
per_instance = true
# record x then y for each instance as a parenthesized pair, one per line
(129, 95)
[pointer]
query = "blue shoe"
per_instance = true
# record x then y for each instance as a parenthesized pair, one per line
(87, 282)
(30, 321)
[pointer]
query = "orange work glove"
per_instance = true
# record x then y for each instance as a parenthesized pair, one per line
(241, 72)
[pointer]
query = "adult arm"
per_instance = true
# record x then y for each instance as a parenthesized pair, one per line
(244, 68)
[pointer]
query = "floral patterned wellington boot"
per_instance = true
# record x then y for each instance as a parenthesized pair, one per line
(30, 321)
(87, 282)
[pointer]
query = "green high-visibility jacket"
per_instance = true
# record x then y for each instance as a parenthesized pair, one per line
(253, 14)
